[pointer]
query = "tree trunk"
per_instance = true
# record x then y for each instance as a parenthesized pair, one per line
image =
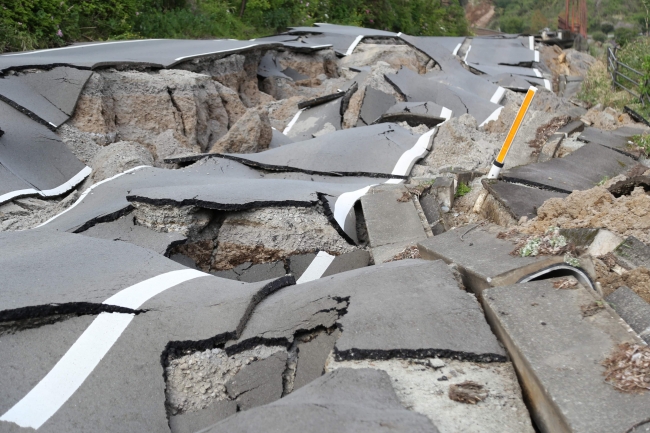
(243, 8)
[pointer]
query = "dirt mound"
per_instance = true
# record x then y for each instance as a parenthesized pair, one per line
(596, 207)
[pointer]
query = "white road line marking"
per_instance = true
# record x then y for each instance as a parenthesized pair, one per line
(68, 185)
(354, 45)
(214, 52)
(536, 56)
(60, 383)
(316, 268)
(467, 53)
(498, 95)
(446, 113)
(531, 42)
(9, 195)
(86, 192)
(410, 156)
(79, 46)
(293, 121)
(345, 202)
(537, 73)
(493, 116)
(71, 183)
(547, 84)
(456, 49)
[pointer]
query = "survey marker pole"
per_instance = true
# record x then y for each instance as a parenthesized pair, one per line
(497, 165)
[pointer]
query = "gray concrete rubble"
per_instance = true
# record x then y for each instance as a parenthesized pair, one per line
(297, 233)
(485, 260)
(345, 400)
(558, 344)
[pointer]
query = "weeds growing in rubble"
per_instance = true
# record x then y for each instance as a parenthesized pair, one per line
(628, 368)
(462, 189)
(643, 141)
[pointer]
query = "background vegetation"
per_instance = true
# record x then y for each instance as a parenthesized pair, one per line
(31, 24)
(606, 16)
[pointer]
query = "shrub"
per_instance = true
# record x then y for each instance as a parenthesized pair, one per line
(606, 27)
(599, 36)
(623, 35)
(510, 24)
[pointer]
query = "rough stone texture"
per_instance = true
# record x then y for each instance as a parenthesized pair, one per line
(558, 352)
(270, 234)
(278, 87)
(633, 253)
(198, 380)
(281, 112)
(424, 389)
(187, 220)
(80, 143)
(252, 133)
(312, 355)
(607, 119)
(397, 56)
(344, 401)
(627, 215)
(237, 71)
(460, 144)
(14, 216)
(259, 382)
(170, 111)
(117, 158)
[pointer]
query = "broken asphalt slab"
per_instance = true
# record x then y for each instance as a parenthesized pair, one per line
(392, 221)
(416, 113)
(500, 52)
(124, 229)
(33, 160)
(519, 200)
(422, 88)
(368, 305)
(558, 353)
(375, 104)
(580, 170)
(619, 142)
(123, 390)
(345, 400)
(49, 97)
(485, 261)
(385, 150)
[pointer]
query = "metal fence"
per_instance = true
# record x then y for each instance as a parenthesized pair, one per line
(625, 77)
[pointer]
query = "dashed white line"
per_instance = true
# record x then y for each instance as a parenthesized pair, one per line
(493, 116)
(316, 268)
(293, 121)
(354, 45)
(498, 95)
(456, 49)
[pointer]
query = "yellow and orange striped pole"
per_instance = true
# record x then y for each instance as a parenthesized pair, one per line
(497, 165)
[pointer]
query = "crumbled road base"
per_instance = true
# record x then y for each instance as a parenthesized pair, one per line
(424, 387)
(628, 368)
(596, 207)
(195, 381)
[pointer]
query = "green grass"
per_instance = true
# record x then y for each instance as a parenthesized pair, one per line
(643, 141)
(462, 189)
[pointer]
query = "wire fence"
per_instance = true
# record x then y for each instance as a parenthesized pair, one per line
(627, 78)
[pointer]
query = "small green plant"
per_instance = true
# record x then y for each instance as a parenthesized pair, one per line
(599, 36)
(571, 261)
(531, 249)
(603, 181)
(462, 189)
(643, 141)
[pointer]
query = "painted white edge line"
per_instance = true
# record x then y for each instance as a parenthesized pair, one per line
(399, 34)
(455, 52)
(536, 56)
(345, 202)
(537, 73)
(293, 121)
(9, 195)
(547, 84)
(531, 41)
(214, 52)
(493, 116)
(410, 156)
(71, 183)
(86, 192)
(79, 46)
(354, 45)
(60, 383)
(467, 53)
(316, 268)
(446, 113)
(498, 95)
